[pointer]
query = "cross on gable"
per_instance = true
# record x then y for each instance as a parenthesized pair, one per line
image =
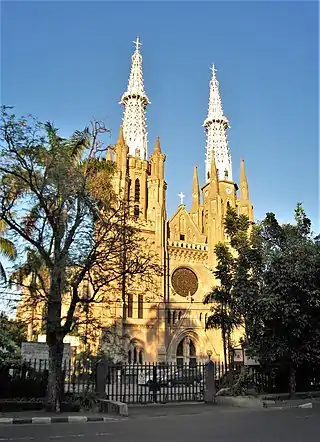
(182, 196)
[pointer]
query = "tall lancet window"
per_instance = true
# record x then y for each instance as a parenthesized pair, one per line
(137, 191)
(136, 197)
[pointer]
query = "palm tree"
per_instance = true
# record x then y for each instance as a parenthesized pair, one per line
(7, 249)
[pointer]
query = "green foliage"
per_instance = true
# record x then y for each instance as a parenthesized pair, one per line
(7, 248)
(277, 288)
(56, 198)
(12, 334)
(224, 312)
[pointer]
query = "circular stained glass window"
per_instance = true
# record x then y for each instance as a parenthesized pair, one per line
(184, 281)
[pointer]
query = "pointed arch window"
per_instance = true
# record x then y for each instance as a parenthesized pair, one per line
(174, 317)
(129, 190)
(137, 191)
(140, 306)
(130, 305)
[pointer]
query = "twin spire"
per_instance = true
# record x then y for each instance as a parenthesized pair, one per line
(135, 101)
(216, 125)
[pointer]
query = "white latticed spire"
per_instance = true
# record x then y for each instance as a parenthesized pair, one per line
(216, 125)
(135, 102)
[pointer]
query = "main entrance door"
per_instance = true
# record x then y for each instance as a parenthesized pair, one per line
(186, 353)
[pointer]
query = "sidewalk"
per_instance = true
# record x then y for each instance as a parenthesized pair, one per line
(43, 417)
(179, 408)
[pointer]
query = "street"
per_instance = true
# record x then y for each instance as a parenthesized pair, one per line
(182, 424)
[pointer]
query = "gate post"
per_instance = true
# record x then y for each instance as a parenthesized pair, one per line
(210, 385)
(101, 376)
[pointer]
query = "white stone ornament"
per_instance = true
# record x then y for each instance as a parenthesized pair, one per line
(135, 103)
(216, 125)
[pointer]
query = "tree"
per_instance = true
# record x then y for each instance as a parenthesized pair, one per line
(12, 334)
(7, 248)
(277, 290)
(224, 309)
(56, 198)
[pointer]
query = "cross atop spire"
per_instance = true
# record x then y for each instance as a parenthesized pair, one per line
(216, 125)
(135, 102)
(137, 44)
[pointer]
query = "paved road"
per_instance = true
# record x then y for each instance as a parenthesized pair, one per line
(194, 424)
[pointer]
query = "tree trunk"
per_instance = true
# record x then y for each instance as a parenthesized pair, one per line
(55, 340)
(55, 376)
(224, 340)
(292, 381)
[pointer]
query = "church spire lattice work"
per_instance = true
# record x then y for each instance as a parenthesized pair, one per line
(216, 125)
(135, 102)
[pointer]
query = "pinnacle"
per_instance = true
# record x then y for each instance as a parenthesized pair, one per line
(213, 169)
(157, 148)
(109, 154)
(121, 141)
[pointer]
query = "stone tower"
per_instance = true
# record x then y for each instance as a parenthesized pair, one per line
(193, 236)
(141, 181)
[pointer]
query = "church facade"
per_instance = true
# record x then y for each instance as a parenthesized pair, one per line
(170, 325)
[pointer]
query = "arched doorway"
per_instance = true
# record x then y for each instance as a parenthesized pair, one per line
(186, 352)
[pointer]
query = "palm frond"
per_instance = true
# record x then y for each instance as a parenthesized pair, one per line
(3, 226)
(2, 273)
(7, 248)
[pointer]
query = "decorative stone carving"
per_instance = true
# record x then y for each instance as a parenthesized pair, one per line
(184, 281)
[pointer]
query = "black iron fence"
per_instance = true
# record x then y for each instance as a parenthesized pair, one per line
(145, 383)
(30, 378)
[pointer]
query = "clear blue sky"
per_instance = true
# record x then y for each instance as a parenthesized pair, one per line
(69, 61)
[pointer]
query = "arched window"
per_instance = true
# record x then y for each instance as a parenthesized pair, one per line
(130, 305)
(208, 175)
(140, 306)
(180, 359)
(169, 317)
(134, 355)
(179, 316)
(200, 317)
(137, 191)
(136, 211)
(174, 317)
(129, 189)
(141, 357)
(205, 319)
(228, 203)
(129, 357)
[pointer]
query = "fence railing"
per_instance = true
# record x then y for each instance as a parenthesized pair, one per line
(30, 379)
(143, 383)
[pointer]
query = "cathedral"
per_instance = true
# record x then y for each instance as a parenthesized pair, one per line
(171, 326)
(167, 323)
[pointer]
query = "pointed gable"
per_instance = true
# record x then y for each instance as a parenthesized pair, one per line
(183, 228)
